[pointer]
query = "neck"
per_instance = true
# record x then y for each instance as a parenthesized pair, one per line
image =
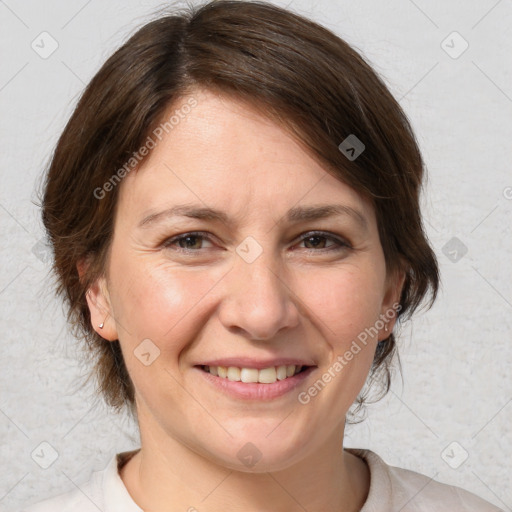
(165, 471)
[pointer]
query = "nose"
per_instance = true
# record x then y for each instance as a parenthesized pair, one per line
(258, 301)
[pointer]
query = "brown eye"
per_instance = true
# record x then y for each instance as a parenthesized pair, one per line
(317, 240)
(187, 242)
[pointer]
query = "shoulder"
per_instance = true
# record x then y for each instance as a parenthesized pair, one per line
(103, 491)
(73, 500)
(393, 488)
(85, 497)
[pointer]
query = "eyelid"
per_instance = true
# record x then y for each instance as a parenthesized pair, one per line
(340, 242)
(326, 234)
(168, 241)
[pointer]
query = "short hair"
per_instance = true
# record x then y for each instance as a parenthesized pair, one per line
(299, 75)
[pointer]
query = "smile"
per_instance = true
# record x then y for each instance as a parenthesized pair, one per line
(255, 384)
(247, 375)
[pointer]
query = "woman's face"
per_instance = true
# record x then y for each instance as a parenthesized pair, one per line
(263, 285)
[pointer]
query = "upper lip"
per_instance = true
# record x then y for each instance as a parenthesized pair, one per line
(259, 364)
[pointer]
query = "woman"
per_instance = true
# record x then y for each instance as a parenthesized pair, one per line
(234, 210)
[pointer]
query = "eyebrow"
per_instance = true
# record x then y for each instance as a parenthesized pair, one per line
(294, 215)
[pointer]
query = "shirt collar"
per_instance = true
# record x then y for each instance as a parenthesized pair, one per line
(117, 497)
(380, 492)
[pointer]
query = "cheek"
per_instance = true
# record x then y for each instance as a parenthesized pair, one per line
(167, 306)
(162, 302)
(159, 302)
(346, 304)
(346, 300)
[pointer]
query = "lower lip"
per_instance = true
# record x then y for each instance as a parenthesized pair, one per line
(255, 390)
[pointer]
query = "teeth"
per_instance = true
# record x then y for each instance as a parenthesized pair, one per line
(281, 372)
(263, 376)
(267, 375)
(233, 373)
(290, 370)
(249, 375)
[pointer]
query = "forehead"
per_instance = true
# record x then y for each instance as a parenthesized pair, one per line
(227, 155)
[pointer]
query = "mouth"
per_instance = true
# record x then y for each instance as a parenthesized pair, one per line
(256, 384)
(268, 375)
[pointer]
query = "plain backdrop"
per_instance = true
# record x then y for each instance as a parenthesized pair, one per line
(451, 418)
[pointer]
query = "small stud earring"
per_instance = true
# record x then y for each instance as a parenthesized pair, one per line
(386, 327)
(102, 323)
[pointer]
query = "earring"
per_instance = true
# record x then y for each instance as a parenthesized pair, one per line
(385, 327)
(102, 323)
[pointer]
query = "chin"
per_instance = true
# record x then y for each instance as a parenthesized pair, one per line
(257, 450)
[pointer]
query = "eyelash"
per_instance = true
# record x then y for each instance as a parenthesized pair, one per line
(341, 244)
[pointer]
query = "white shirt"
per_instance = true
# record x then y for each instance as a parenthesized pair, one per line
(392, 489)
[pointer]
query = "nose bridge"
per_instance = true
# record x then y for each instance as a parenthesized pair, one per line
(258, 299)
(257, 272)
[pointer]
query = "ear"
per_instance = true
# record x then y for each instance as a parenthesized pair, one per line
(100, 307)
(391, 302)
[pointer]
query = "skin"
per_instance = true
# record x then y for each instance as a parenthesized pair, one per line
(299, 298)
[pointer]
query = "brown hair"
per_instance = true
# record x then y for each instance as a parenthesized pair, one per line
(300, 75)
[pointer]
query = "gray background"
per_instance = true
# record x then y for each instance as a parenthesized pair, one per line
(456, 357)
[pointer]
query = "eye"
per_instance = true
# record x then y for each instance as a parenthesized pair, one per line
(314, 237)
(194, 241)
(187, 241)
